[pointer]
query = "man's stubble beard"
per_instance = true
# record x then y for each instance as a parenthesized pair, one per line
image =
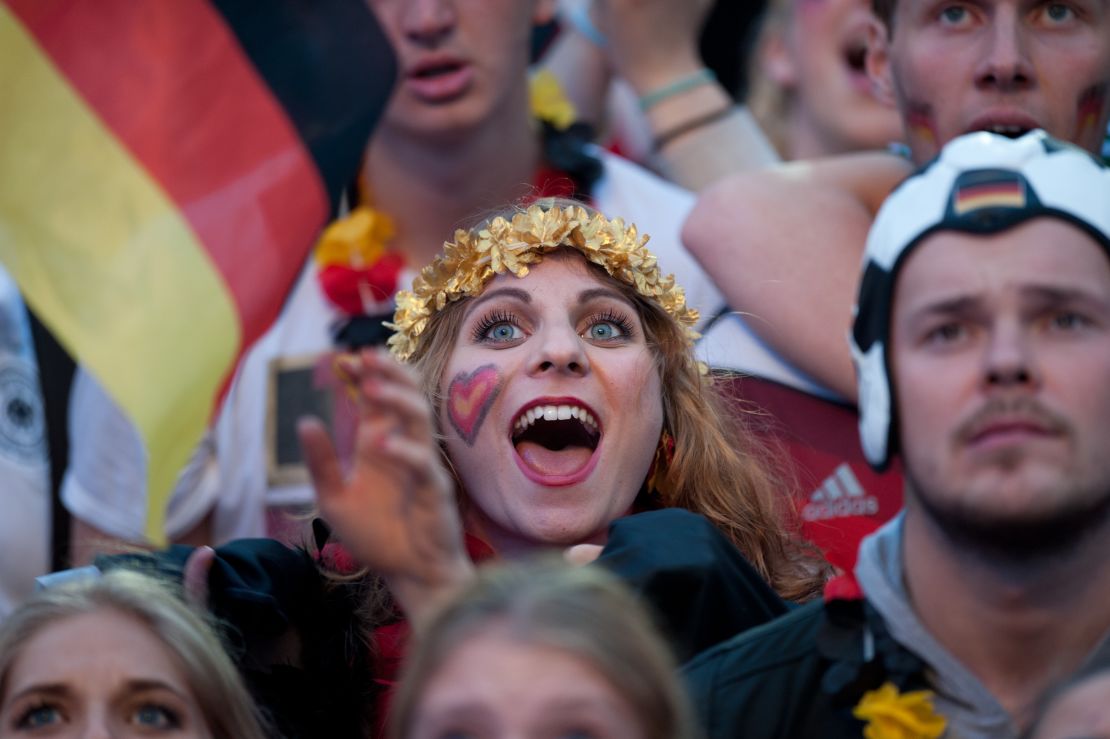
(1009, 537)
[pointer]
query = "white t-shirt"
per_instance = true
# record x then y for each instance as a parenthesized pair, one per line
(105, 483)
(24, 461)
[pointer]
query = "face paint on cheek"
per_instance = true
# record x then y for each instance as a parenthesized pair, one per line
(469, 397)
(1091, 108)
(920, 122)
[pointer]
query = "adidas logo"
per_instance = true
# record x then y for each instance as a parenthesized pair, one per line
(840, 495)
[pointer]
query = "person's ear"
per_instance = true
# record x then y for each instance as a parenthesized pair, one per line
(776, 61)
(543, 12)
(878, 62)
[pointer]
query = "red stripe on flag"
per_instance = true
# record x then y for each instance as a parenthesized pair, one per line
(172, 83)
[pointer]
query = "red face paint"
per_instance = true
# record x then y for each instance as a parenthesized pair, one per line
(1091, 105)
(469, 398)
(919, 121)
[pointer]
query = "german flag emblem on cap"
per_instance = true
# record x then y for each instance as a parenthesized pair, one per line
(1009, 193)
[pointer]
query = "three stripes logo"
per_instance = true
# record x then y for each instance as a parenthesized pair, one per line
(840, 495)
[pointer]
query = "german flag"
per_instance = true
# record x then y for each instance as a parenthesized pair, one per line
(1009, 193)
(166, 165)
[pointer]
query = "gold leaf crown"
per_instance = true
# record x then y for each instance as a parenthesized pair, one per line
(504, 245)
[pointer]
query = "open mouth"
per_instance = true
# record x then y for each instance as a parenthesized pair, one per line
(855, 57)
(1012, 132)
(437, 70)
(555, 444)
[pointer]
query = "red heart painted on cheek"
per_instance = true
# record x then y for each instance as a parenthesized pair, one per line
(469, 398)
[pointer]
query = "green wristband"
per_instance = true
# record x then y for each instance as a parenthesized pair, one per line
(703, 76)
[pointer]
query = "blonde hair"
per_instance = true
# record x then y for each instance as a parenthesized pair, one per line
(225, 704)
(717, 468)
(584, 611)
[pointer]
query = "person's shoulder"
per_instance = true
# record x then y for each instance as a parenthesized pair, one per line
(767, 682)
(701, 586)
(780, 645)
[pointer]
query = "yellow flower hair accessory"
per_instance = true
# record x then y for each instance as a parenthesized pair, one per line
(503, 245)
(548, 101)
(893, 715)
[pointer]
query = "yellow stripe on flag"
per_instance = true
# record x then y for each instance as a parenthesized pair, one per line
(108, 263)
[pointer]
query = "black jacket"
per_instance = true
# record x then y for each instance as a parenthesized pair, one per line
(699, 585)
(799, 676)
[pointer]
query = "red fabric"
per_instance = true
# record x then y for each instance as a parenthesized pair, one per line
(551, 183)
(174, 72)
(840, 499)
(843, 587)
(341, 284)
(392, 640)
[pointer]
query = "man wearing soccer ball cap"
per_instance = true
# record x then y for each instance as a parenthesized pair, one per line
(982, 348)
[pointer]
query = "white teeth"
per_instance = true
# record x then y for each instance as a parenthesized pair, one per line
(553, 413)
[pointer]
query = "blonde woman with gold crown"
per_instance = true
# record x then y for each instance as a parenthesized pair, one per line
(542, 388)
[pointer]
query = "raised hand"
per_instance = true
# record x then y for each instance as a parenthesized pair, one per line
(394, 509)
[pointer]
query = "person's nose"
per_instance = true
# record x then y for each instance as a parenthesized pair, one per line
(1009, 361)
(1005, 65)
(559, 350)
(428, 22)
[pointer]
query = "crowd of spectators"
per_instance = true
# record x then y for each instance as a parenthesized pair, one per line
(693, 369)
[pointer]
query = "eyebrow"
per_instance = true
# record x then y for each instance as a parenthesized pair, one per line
(951, 305)
(601, 292)
(508, 292)
(55, 689)
(1045, 295)
(62, 690)
(152, 684)
(1056, 295)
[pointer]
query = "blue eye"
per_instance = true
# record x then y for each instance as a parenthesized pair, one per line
(503, 332)
(954, 15)
(498, 328)
(609, 325)
(155, 716)
(604, 331)
(39, 716)
(1059, 12)
(1069, 321)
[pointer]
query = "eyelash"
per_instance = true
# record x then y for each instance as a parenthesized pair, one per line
(620, 320)
(23, 721)
(491, 320)
(172, 717)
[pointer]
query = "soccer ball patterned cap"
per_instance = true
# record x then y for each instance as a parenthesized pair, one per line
(980, 183)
